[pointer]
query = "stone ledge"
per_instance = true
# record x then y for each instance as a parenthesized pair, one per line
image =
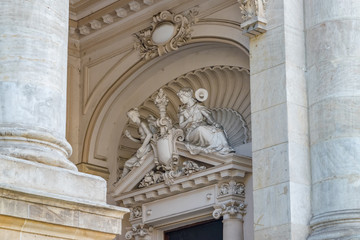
(40, 179)
(18, 228)
(76, 217)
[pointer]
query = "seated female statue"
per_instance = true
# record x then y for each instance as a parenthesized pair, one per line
(202, 132)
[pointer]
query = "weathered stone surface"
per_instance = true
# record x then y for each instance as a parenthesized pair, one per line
(39, 178)
(33, 81)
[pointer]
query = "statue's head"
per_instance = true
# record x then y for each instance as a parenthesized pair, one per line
(186, 95)
(134, 114)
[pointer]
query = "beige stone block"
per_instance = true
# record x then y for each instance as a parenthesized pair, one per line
(337, 78)
(318, 11)
(333, 41)
(99, 222)
(282, 232)
(268, 88)
(299, 163)
(297, 124)
(299, 231)
(8, 234)
(300, 203)
(267, 50)
(340, 193)
(274, 13)
(270, 127)
(38, 178)
(272, 206)
(271, 166)
(341, 158)
(294, 14)
(294, 47)
(52, 214)
(296, 91)
(335, 118)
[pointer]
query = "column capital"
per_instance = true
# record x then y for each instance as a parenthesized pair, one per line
(230, 209)
(139, 232)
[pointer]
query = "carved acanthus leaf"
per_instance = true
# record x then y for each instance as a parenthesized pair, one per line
(253, 15)
(138, 230)
(232, 188)
(232, 208)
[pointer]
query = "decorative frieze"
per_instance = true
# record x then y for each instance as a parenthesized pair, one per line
(167, 33)
(139, 231)
(230, 208)
(168, 176)
(253, 15)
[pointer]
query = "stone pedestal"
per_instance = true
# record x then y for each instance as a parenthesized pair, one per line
(42, 196)
(333, 63)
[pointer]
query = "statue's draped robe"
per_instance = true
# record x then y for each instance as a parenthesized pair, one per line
(202, 135)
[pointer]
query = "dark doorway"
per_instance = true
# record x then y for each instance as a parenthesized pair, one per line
(211, 230)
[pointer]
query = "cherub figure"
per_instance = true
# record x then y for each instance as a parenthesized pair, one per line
(145, 136)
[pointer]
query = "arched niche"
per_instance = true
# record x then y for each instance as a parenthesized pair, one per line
(147, 80)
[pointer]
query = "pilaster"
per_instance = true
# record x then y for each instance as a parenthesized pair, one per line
(281, 168)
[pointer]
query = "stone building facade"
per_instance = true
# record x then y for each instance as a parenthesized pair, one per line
(282, 78)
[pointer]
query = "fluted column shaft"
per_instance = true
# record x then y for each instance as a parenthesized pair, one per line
(33, 66)
(333, 63)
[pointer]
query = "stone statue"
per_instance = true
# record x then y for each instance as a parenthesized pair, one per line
(202, 132)
(145, 137)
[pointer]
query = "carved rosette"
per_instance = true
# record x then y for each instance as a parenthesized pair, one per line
(232, 188)
(230, 208)
(253, 15)
(139, 231)
(174, 31)
(135, 212)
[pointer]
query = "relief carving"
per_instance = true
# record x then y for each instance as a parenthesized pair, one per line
(135, 212)
(167, 33)
(253, 15)
(139, 231)
(232, 188)
(231, 208)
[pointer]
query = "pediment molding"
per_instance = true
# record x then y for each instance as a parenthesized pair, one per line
(228, 167)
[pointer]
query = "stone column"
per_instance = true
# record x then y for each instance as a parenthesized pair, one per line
(33, 67)
(233, 223)
(333, 63)
(38, 200)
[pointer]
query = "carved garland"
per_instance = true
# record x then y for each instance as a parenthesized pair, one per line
(181, 34)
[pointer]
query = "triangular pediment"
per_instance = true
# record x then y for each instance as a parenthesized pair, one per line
(218, 167)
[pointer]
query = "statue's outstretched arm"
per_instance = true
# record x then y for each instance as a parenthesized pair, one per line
(128, 135)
